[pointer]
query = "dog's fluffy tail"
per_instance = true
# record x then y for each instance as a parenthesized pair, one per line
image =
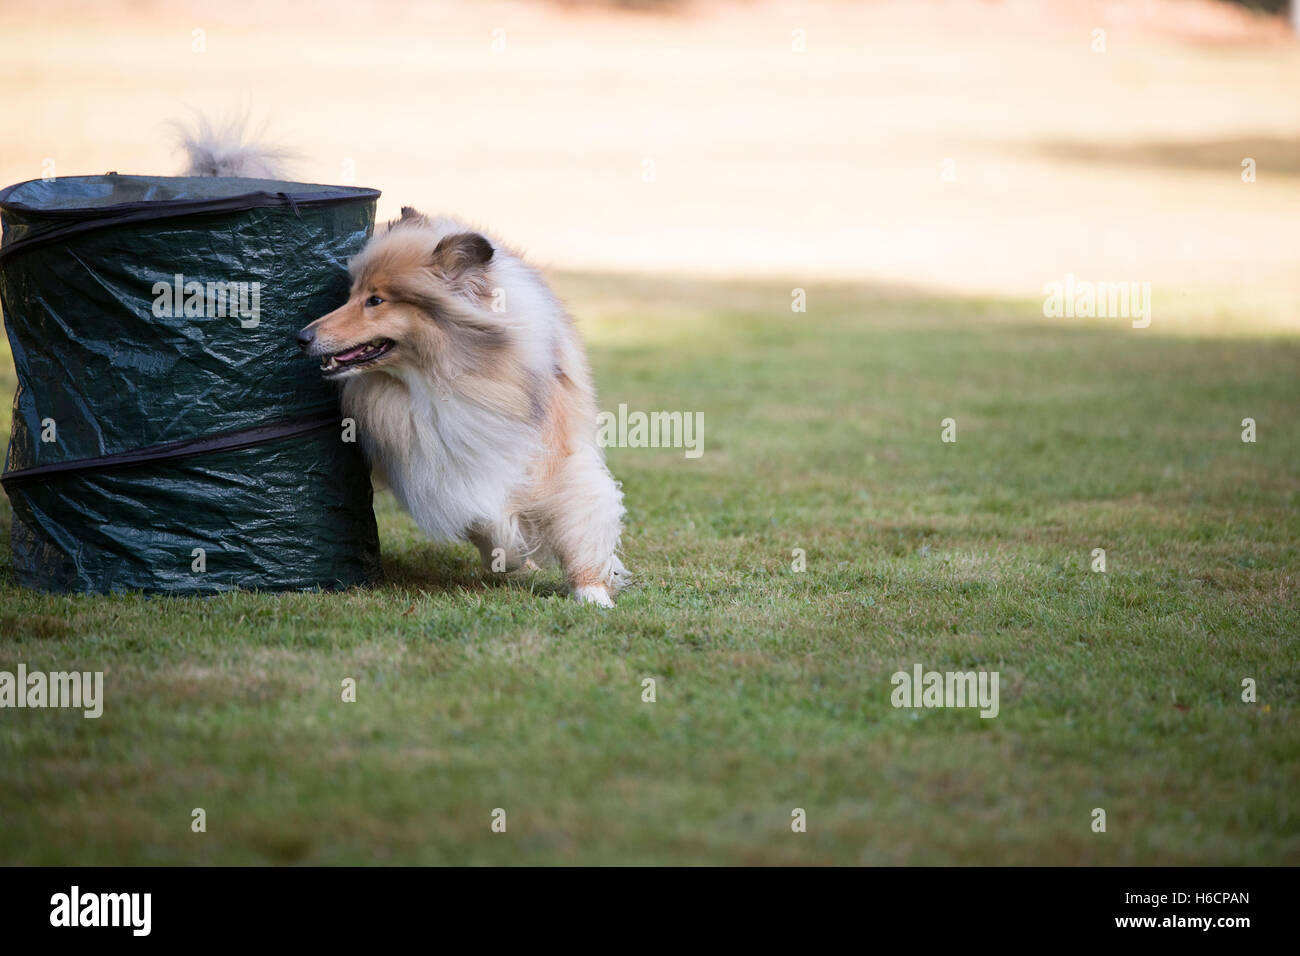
(229, 149)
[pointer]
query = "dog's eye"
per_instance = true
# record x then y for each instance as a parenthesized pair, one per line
(373, 300)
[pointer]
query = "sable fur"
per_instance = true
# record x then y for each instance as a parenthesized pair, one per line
(482, 419)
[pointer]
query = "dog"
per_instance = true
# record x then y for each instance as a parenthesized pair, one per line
(472, 394)
(469, 385)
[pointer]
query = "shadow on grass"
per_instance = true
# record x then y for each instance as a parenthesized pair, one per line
(432, 566)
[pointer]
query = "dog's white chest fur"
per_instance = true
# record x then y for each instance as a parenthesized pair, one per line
(450, 462)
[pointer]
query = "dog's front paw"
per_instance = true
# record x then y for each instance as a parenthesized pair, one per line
(592, 594)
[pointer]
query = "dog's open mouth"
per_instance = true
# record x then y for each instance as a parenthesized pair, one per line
(356, 357)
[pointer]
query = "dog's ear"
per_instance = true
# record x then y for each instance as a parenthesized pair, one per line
(461, 259)
(410, 217)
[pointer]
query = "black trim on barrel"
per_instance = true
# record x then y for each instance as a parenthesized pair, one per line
(169, 451)
(86, 219)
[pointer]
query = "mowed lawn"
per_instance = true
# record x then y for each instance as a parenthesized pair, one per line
(1119, 690)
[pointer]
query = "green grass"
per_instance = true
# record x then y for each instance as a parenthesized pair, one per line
(822, 432)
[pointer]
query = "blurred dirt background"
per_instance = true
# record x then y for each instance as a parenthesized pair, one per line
(695, 138)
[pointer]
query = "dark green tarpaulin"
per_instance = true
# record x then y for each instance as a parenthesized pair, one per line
(180, 421)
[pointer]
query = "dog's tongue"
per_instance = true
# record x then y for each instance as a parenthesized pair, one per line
(350, 354)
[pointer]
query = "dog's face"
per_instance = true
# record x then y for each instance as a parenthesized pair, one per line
(416, 301)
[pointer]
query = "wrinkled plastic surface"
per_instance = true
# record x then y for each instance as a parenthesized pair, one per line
(93, 357)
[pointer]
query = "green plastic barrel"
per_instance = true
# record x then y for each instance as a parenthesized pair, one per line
(168, 436)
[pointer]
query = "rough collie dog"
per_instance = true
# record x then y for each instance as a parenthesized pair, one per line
(471, 393)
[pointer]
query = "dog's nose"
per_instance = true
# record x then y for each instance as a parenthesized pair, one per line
(306, 337)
